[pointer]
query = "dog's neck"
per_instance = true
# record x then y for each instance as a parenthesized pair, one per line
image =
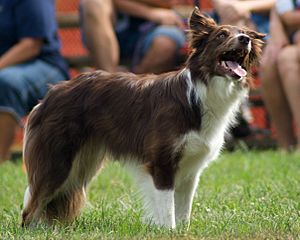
(218, 94)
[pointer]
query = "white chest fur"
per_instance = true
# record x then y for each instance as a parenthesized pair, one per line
(219, 103)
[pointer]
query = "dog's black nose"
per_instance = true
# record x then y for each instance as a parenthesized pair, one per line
(244, 39)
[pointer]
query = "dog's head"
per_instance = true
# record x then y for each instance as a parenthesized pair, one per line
(225, 50)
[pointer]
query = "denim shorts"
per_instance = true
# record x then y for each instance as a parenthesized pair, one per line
(135, 44)
(23, 85)
(262, 22)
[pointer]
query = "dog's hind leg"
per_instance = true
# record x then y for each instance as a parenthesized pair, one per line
(65, 206)
(62, 205)
(44, 184)
(70, 197)
(34, 205)
(59, 162)
(30, 209)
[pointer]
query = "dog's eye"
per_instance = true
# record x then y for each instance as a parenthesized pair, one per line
(222, 35)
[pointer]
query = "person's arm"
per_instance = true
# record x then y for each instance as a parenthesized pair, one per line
(278, 39)
(246, 5)
(291, 19)
(25, 49)
(278, 33)
(34, 26)
(256, 5)
(158, 15)
(157, 3)
(235, 10)
(288, 14)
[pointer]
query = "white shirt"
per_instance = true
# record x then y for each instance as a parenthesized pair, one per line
(283, 6)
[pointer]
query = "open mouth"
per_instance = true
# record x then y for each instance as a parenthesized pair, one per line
(231, 63)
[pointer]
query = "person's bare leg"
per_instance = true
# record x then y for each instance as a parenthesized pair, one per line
(160, 57)
(289, 68)
(8, 125)
(100, 36)
(277, 104)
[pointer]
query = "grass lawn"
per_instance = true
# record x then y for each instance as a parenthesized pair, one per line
(243, 195)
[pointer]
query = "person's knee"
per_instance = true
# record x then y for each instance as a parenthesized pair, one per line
(12, 93)
(269, 57)
(266, 71)
(268, 67)
(165, 45)
(169, 37)
(94, 9)
(287, 58)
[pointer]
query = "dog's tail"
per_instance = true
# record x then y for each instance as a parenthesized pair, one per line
(64, 207)
(48, 161)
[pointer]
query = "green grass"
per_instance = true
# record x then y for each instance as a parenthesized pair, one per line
(243, 195)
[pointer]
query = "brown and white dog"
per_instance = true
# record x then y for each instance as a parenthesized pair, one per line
(166, 128)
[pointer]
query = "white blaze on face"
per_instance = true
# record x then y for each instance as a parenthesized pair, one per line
(249, 44)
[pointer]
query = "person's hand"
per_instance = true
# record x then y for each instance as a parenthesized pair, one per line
(232, 11)
(166, 17)
(239, 8)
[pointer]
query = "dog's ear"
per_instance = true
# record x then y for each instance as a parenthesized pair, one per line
(258, 43)
(200, 28)
(200, 23)
(255, 35)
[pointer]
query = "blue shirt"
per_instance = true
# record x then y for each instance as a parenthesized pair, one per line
(35, 19)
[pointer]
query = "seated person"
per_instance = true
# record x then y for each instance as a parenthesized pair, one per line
(143, 31)
(29, 61)
(280, 73)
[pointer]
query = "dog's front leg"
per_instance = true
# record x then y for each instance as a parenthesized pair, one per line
(158, 196)
(161, 208)
(184, 195)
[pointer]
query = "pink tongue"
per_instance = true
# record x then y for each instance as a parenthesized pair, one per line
(236, 68)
